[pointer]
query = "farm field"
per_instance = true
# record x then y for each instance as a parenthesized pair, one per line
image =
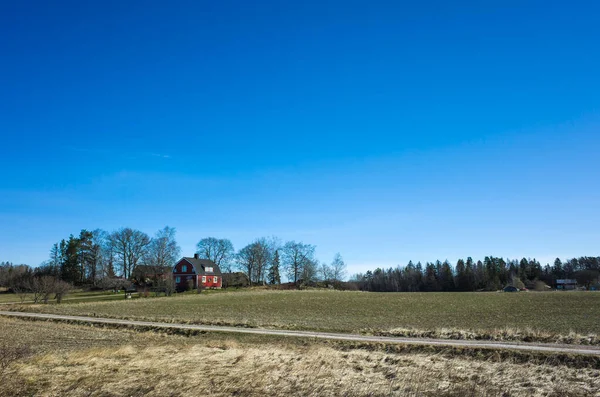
(75, 360)
(519, 315)
(75, 296)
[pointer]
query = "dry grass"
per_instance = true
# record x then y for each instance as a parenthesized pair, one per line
(74, 360)
(503, 334)
(547, 317)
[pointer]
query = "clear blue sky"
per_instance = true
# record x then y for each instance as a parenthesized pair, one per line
(387, 132)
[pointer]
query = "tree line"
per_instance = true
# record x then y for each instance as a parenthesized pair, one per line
(93, 256)
(266, 259)
(491, 274)
(111, 259)
(96, 259)
(106, 259)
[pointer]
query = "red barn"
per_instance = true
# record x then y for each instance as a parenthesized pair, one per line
(192, 272)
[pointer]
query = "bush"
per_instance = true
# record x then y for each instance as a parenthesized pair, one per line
(346, 286)
(189, 285)
(540, 286)
(60, 289)
(517, 283)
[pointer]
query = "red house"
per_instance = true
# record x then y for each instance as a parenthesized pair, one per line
(194, 272)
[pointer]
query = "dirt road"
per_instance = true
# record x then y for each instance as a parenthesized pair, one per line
(528, 347)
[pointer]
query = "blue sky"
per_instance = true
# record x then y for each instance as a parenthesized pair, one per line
(381, 130)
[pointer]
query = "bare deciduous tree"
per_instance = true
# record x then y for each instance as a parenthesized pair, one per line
(60, 289)
(105, 254)
(41, 287)
(21, 292)
(325, 272)
(45, 286)
(254, 259)
(246, 260)
(130, 247)
(295, 257)
(263, 258)
(309, 271)
(338, 268)
(163, 250)
(217, 250)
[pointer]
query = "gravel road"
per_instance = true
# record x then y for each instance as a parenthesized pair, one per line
(528, 347)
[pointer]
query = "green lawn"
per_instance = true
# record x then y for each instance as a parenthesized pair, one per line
(555, 312)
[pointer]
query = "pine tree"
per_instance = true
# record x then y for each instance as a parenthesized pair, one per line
(523, 265)
(492, 280)
(460, 280)
(431, 282)
(446, 277)
(470, 275)
(419, 277)
(71, 269)
(479, 276)
(557, 269)
(87, 256)
(273, 276)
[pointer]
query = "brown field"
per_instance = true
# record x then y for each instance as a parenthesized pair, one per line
(75, 360)
(570, 317)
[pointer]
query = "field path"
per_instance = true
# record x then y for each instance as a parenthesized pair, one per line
(528, 347)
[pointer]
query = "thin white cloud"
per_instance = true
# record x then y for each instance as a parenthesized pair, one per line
(129, 155)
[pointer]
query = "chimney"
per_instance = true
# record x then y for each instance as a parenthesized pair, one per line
(195, 256)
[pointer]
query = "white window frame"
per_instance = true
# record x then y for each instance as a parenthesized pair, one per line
(215, 279)
(203, 279)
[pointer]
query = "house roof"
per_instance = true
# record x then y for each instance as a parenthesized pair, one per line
(202, 264)
(566, 281)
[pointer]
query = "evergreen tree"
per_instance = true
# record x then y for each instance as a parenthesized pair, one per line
(492, 280)
(534, 270)
(419, 277)
(460, 281)
(557, 269)
(273, 275)
(446, 277)
(502, 271)
(479, 276)
(71, 269)
(87, 257)
(56, 259)
(431, 282)
(523, 265)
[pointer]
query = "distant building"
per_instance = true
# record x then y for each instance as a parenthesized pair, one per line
(235, 279)
(144, 275)
(566, 284)
(194, 272)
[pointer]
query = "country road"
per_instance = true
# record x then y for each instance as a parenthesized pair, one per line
(527, 347)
